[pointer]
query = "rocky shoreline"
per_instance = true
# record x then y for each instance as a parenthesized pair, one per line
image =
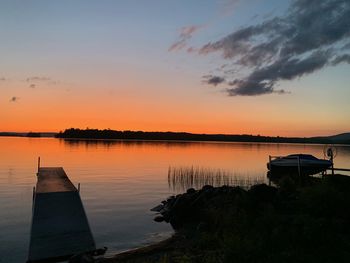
(284, 223)
(190, 209)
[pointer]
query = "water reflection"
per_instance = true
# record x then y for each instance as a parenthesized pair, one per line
(122, 180)
(108, 143)
(182, 178)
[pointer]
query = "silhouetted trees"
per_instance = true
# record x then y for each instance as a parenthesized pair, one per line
(183, 136)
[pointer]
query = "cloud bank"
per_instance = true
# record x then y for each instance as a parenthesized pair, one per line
(312, 34)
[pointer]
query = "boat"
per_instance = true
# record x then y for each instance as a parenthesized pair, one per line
(304, 164)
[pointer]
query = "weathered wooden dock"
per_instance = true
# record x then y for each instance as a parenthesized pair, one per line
(60, 228)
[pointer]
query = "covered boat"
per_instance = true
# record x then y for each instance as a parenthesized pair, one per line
(306, 164)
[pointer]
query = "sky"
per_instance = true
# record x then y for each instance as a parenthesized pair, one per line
(268, 67)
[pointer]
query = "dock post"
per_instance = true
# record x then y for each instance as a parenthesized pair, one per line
(38, 163)
(330, 154)
(332, 164)
(78, 187)
(33, 198)
(299, 169)
(269, 173)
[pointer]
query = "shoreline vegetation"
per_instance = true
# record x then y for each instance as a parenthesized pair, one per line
(73, 133)
(289, 222)
(29, 134)
(181, 178)
(107, 134)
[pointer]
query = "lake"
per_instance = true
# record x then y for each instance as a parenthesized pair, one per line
(120, 182)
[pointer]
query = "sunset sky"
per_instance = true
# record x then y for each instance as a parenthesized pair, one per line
(221, 66)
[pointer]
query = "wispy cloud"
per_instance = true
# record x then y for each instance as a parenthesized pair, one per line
(226, 7)
(14, 99)
(38, 79)
(311, 35)
(185, 35)
(41, 79)
(32, 86)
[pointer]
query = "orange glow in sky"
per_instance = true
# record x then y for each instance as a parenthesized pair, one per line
(125, 67)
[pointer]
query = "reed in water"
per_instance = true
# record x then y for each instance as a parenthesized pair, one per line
(183, 178)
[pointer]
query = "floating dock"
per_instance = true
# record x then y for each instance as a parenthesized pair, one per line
(60, 228)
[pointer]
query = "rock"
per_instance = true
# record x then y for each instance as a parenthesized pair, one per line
(157, 208)
(207, 188)
(225, 188)
(263, 192)
(191, 208)
(159, 219)
(170, 202)
(190, 191)
(168, 199)
(181, 212)
(199, 200)
(175, 222)
(82, 258)
(202, 226)
(100, 251)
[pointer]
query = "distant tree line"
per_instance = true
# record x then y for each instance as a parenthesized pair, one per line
(18, 134)
(183, 136)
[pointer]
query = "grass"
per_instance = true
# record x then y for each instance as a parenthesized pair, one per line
(182, 178)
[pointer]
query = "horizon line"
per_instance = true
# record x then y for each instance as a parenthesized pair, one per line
(229, 134)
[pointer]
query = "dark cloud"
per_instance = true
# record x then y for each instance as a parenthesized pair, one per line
(246, 88)
(312, 34)
(186, 33)
(14, 99)
(343, 58)
(32, 86)
(346, 46)
(213, 80)
(2, 79)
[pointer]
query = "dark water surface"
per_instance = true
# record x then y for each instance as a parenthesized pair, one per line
(120, 182)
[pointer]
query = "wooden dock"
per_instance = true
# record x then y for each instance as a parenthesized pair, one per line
(60, 228)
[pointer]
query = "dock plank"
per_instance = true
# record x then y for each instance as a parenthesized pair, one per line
(53, 179)
(59, 224)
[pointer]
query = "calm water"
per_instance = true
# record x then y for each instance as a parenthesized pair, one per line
(120, 182)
